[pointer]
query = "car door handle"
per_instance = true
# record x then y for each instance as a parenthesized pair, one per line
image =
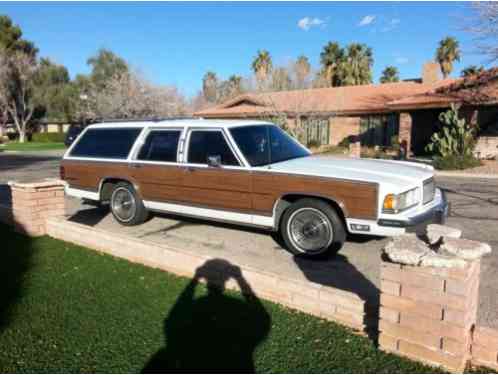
(136, 166)
(190, 169)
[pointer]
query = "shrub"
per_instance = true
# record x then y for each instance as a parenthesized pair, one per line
(333, 150)
(13, 136)
(313, 144)
(49, 137)
(345, 142)
(395, 145)
(375, 153)
(454, 162)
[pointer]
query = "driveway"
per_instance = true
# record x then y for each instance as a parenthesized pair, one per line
(474, 210)
(29, 166)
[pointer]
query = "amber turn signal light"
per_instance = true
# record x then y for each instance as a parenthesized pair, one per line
(389, 202)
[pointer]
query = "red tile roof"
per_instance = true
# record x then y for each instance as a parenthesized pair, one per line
(479, 89)
(362, 99)
(342, 100)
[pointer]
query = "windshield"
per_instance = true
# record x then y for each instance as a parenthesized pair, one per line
(266, 144)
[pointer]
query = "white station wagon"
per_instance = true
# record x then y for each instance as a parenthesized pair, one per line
(249, 173)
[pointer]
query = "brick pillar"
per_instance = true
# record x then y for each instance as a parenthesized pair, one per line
(405, 131)
(355, 149)
(485, 347)
(428, 314)
(33, 203)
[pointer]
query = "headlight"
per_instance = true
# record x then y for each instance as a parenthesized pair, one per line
(396, 203)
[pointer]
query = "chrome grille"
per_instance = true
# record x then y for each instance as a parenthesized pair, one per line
(429, 190)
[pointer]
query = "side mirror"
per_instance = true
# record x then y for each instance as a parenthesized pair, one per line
(214, 161)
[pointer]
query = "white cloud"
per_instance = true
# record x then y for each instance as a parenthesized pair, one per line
(367, 20)
(401, 60)
(307, 23)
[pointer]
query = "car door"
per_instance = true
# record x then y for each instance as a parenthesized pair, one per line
(226, 186)
(155, 166)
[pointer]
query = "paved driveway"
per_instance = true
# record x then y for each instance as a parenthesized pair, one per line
(474, 210)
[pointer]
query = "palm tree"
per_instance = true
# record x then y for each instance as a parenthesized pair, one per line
(331, 58)
(235, 83)
(280, 80)
(357, 66)
(472, 70)
(262, 65)
(447, 52)
(210, 86)
(389, 74)
(302, 69)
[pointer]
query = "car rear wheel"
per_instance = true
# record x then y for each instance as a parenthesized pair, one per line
(311, 227)
(126, 206)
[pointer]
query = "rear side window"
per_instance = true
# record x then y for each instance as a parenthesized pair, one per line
(160, 146)
(106, 143)
(204, 143)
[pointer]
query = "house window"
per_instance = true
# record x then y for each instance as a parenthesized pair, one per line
(378, 130)
(316, 131)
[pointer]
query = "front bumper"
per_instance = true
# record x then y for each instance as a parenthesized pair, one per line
(436, 214)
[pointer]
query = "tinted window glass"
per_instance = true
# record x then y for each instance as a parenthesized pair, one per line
(160, 146)
(283, 147)
(209, 143)
(253, 142)
(106, 143)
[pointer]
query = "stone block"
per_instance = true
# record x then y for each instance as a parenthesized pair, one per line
(435, 232)
(465, 249)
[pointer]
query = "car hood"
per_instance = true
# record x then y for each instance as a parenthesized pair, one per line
(396, 175)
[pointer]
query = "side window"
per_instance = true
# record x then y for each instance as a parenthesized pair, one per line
(106, 143)
(160, 145)
(204, 143)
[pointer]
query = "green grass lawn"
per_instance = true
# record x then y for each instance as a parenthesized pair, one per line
(32, 146)
(64, 308)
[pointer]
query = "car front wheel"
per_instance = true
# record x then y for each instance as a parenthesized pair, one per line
(311, 227)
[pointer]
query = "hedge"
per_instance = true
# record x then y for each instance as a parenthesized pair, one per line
(455, 162)
(48, 137)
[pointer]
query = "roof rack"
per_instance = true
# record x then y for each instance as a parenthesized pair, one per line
(147, 119)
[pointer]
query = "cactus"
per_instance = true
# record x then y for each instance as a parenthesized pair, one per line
(455, 138)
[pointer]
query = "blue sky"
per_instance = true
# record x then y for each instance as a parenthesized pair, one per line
(176, 43)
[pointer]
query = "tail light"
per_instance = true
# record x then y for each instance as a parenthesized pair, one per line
(62, 173)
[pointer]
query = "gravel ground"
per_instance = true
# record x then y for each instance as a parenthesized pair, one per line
(474, 210)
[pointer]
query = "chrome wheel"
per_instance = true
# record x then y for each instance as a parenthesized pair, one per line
(123, 204)
(310, 230)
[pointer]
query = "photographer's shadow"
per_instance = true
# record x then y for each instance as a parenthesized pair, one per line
(214, 332)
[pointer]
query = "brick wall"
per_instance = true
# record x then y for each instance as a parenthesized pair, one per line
(486, 147)
(428, 314)
(329, 303)
(485, 347)
(31, 204)
(342, 127)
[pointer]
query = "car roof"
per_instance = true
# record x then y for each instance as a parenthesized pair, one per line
(201, 123)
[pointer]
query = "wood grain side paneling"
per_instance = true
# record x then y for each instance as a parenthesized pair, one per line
(158, 182)
(358, 199)
(87, 175)
(226, 189)
(218, 187)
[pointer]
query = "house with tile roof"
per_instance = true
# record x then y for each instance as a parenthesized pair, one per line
(374, 114)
